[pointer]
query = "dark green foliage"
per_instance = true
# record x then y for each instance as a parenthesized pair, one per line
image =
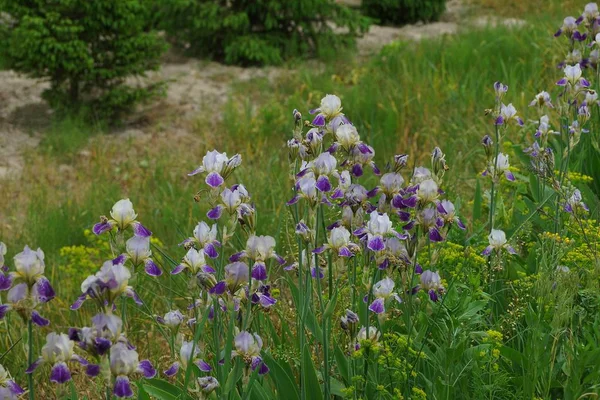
(86, 49)
(257, 32)
(400, 12)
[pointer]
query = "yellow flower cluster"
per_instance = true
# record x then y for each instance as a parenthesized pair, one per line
(457, 257)
(557, 238)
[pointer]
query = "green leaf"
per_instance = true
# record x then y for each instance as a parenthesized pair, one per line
(234, 376)
(337, 388)
(163, 390)
(286, 385)
(330, 306)
(341, 362)
(477, 202)
(310, 376)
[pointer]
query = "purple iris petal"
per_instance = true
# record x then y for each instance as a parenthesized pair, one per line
(364, 149)
(373, 192)
(37, 319)
(210, 250)
(509, 175)
(376, 169)
(33, 366)
(319, 250)
(313, 273)
(151, 268)
(357, 170)
(511, 249)
(119, 259)
(441, 208)
(146, 368)
(80, 360)
(14, 388)
(5, 281)
(122, 387)
(102, 345)
(133, 294)
(344, 252)
(257, 362)
(293, 200)
(378, 306)
(237, 256)
(44, 290)
(435, 236)
(433, 295)
(562, 82)
(384, 264)
(280, 260)
(140, 230)
(259, 271)
(215, 213)
(410, 202)
(203, 365)
(214, 179)
(218, 289)
(409, 226)
(583, 82)
(101, 227)
(337, 194)
(487, 251)
(178, 269)
(319, 120)
(460, 223)
(376, 243)
(60, 373)
(323, 183)
(92, 370)
(499, 120)
(172, 369)
(333, 148)
(208, 269)
(418, 269)
(79, 302)
(558, 33)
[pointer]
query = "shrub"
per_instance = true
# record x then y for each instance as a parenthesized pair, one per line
(86, 49)
(400, 12)
(258, 32)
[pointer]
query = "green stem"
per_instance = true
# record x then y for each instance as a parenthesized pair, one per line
(30, 359)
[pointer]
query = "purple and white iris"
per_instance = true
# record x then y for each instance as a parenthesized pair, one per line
(172, 319)
(575, 203)
(573, 77)
(378, 228)
(508, 113)
(339, 242)
(125, 362)
(569, 26)
(58, 351)
(498, 242)
(123, 216)
(541, 100)
(447, 211)
(96, 340)
(218, 167)
(432, 284)
(208, 384)
(188, 353)
(330, 109)
(9, 389)
(259, 249)
(248, 347)
(194, 261)
(383, 290)
(138, 252)
(27, 286)
(500, 166)
(107, 285)
(322, 167)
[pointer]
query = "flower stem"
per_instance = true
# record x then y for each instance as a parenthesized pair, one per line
(30, 358)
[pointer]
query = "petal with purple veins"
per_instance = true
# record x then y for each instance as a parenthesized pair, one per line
(151, 268)
(323, 183)
(259, 271)
(37, 319)
(5, 281)
(60, 373)
(122, 387)
(214, 179)
(215, 213)
(140, 230)
(178, 269)
(14, 388)
(146, 368)
(210, 250)
(92, 370)
(378, 306)
(345, 252)
(375, 243)
(102, 227)
(172, 370)
(203, 366)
